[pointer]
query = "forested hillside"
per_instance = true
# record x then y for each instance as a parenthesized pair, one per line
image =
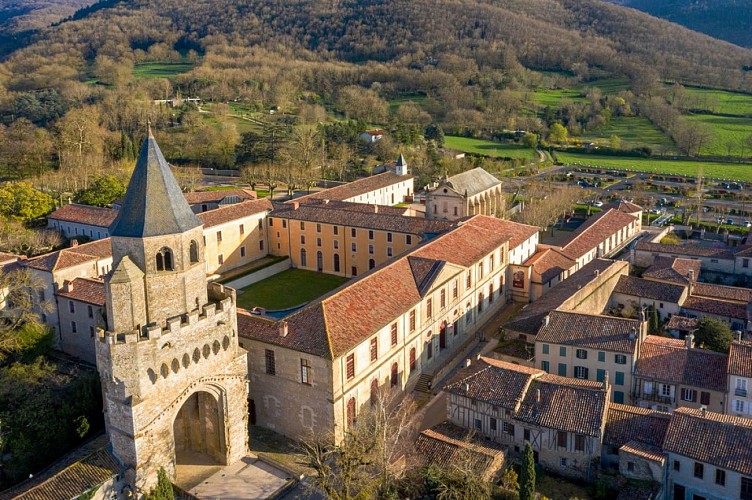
(22, 15)
(728, 20)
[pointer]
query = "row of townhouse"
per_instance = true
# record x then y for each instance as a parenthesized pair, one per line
(727, 260)
(575, 430)
(316, 368)
(602, 235)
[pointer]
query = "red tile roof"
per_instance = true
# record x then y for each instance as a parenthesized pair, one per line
(716, 307)
(623, 206)
(642, 450)
(607, 333)
(713, 438)
(630, 423)
(731, 293)
(681, 323)
(674, 269)
(495, 382)
(228, 213)
(475, 238)
(548, 264)
(740, 359)
(73, 256)
(669, 360)
(595, 231)
(685, 250)
(217, 196)
(565, 404)
(649, 289)
(86, 290)
(85, 214)
(355, 188)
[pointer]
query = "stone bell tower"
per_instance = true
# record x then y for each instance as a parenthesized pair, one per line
(173, 376)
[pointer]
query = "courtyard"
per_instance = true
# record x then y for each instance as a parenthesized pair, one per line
(287, 289)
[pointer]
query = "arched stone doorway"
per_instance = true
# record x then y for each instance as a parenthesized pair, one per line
(198, 431)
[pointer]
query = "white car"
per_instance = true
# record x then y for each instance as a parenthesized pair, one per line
(747, 223)
(598, 204)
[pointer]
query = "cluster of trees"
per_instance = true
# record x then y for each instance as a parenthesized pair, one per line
(38, 395)
(544, 206)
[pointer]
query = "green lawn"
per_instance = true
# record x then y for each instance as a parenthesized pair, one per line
(634, 132)
(715, 170)
(161, 69)
(288, 289)
(395, 103)
(724, 129)
(488, 148)
(721, 101)
(552, 97)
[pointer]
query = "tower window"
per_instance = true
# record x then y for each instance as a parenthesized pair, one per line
(164, 259)
(194, 252)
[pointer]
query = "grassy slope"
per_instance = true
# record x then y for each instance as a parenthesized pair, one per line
(722, 101)
(489, 148)
(288, 289)
(724, 129)
(634, 132)
(161, 69)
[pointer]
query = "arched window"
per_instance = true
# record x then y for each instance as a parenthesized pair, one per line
(412, 359)
(336, 262)
(303, 262)
(351, 412)
(371, 263)
(374, 391)
(319, 261)
(164, 259)
(194, 252)
(394, 379)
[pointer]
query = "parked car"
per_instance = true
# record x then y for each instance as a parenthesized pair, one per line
(598, 204)
(730, 222)
(747, 223)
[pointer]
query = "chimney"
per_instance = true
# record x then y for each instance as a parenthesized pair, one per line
(537, 396)
(690, 340)
(691, 275)
(546, 320)
(597, 272)
(325, 202)
(375, 209)
(74, 243)
(466, 387)
(605, 380)
(468, 362)
(703, 411)
(295, 205)
(633, 333)
(283, 329)
(67, 286)
(738, 335)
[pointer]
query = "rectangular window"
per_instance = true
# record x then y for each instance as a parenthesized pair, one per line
(91, 331)
(412, 320)
(562, 351)
(581, 354)
(74, 327)
(389, 251)
(469, 279)
(602, 357)
(526, 435)
(370, 249)
(408, 239)
(688, 395)
(455, 292)
(370, 235)
(562, 370)
(699, 470)
(284, 223)
(493, 424)
(677, 465)
(739, 406)
(219, 236)
(618, 397)
(579, 442)
(71, 307)
(619, 378)
(720, 477)
(561, 439)
(302, 225)
(580, 372)
(563, 462)
(620, 359)
(705, 398)
(600, 375)
(353, 232)
(318, 242)
(374, 349)
(429, 308)
(336, 244)
(90, 311)
(271, 222)
(507, 428)
(389, 237)
(354, 271)
(545, 366)
(242, 251)
(665, 390)
(261, 224)
(220, 259)
(350, 366)
(393, 334)
(318, 228)
(271, 366)
(305, 372)
(477, 424)
(354, 247)
(261, 245)
(545, 348)
(302, 239)
(745, 492)
(241, 228)
(336, 230)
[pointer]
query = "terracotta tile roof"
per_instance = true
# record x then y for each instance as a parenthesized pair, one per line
(745, 251)
(740, 359)
(306, 331)
(73, 256)
(606, 333)
(217, 196)
(548, 264)
(475, 238)
(682, 323)
(669, 360)
(447, 443)
(716, 439)
(565, 404)
(685, 250)
(360, 219)
(626, 424)
(717, 307)
(642, 450)
(85, 290)
(358, 207)
(74, 474)
(356, 188)
(85, 214)
(235, 211)
(492, 381)
(531, 316)
(623, 206)
(518, 233)
(649, 289)
(595, 231)
(674, 269)
(732, 293)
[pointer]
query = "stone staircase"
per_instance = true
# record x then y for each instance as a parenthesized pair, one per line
(423, 383)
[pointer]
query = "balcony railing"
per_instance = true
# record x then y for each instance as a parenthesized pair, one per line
(740, 392)
(654, 397)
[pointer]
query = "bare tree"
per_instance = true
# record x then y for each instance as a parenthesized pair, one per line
(19, 293)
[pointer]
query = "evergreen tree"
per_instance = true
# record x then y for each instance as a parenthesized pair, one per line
(527, 474)
(655, 322)
(163, 488)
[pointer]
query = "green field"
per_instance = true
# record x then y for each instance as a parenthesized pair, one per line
(724, 130)
(553, 97)
(288, 289)
(715, 170)
(161, 69)
(721, 101)
(395, 103)
(634, 132)
(488, 148)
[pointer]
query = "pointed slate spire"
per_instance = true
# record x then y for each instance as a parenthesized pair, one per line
(154, 204)
(401, 161)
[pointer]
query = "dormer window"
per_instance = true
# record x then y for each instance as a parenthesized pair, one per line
(164, 259)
